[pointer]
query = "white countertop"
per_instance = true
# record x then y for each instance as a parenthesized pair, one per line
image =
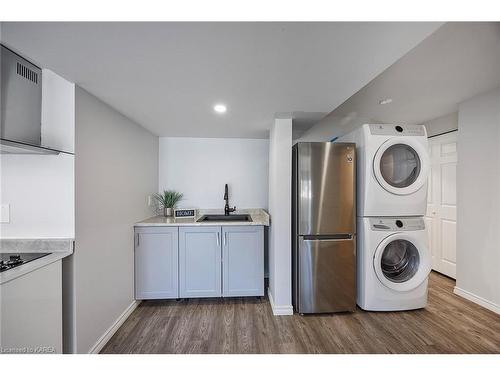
(258, 215)
(58, 249)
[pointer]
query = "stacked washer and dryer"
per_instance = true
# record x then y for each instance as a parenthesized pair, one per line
(393, 260)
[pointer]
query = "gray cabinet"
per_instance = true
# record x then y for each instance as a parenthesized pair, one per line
(243, 261)
(156, 262)
(200, 261)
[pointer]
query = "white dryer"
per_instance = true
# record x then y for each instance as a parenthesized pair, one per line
(392, 169)
(393, 263)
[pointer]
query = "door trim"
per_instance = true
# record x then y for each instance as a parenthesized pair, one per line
(441, 212)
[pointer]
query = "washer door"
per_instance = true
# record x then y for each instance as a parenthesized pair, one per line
(401, 165)
(402, 262)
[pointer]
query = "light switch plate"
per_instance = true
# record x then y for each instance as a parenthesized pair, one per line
(5, 213)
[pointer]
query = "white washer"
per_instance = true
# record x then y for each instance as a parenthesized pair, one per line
(393, 263)
(392, 169)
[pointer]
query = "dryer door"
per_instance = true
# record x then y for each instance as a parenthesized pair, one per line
(402, 261)
(401, 165)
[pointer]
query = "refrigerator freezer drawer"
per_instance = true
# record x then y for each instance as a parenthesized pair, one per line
(325, 275)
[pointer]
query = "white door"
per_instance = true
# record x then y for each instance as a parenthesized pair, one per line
(441, 216)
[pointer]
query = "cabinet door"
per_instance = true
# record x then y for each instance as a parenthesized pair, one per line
(200, 261)
(243, 261)
(31, 310)
(156, 263)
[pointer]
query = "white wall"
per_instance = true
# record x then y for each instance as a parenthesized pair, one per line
(336, 126)
(331, 127)
(442, 124)
(280, 210)
(199, 168)
(116, 169)
(478, 200)
(58, 110)
(40, 192)
(40, 188)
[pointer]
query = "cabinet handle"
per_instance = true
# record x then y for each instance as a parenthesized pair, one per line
(138, 239)
(225, 238)
(218, 239)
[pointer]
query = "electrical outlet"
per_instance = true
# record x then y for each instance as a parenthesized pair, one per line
(150, 200)
(5, 213)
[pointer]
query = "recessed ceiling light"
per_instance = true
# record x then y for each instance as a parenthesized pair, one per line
(385, 101)
(220, 108)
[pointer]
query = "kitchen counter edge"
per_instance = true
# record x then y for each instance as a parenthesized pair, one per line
(58, 249)
(259, 217)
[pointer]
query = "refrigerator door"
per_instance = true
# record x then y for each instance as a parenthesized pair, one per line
(325, 193)
(325, 274)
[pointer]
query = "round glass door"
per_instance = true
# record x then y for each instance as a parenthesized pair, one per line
(400, 165)
(402, 261)
(399, 261)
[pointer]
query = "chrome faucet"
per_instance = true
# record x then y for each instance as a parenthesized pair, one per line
(227, 209)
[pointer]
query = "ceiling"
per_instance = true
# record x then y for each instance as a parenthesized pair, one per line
(168, 76)
(456, 63)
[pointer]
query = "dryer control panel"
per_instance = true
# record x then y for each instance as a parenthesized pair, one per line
(395, 224)
(397, 129)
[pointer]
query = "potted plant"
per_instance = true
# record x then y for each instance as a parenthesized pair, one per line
(168, 200)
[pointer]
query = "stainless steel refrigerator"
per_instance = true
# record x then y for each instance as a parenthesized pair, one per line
(324, 227)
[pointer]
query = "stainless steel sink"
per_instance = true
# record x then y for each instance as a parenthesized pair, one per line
(244, 217)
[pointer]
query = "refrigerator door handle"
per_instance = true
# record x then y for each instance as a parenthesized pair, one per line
(335, 237)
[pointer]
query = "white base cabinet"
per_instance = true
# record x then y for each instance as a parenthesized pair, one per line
(199, 261)
(31, 312)
(156, 263)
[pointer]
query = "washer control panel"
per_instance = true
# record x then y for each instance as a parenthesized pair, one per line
(397, 129)
(395, 224)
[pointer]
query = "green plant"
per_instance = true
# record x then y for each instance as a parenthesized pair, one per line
(168, 199)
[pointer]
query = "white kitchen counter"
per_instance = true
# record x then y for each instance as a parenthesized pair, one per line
(58, 249)
(259, 217)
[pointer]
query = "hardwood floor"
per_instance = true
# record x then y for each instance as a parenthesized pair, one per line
(449, 324)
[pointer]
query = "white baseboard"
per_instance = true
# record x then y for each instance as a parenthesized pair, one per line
(279, 310)
(103, 340)
(476, 299)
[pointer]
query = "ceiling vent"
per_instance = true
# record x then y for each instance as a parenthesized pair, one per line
(27, 73)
